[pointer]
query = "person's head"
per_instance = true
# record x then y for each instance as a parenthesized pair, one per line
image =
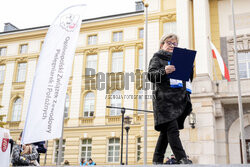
(168, 42)
(172, 156)
(167, 158)
(90, 160)
(82, 160)
(66, 162)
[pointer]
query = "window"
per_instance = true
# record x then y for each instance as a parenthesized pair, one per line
(86, 149)
(169, 27)
(16, 110)
(66, 106)
(23, 49)
(113, 150)
(92, 39)
(91, 64)
(89, 104)
(140, 101)
(116, 101)
(21, 72)
(141, 33)
(117, 36)
(140, 59)
(244, 64)
(2, 72)
(56, 151)
(138, 149)
(3, 51)
(139, 6)
(117, 62)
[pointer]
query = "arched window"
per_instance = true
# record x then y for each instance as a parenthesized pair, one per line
(66, 106)
(116, 101)
(89, 105)
(16, 110)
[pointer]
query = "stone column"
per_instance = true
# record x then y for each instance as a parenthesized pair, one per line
(201, 34)
(28, 86)
(76, 91)
(7, 88)
(183, 22)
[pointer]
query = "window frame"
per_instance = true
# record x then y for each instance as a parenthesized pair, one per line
(246, 61)
(116, 111)
(86, 145)
(67, 95)
(121, 57)
(96, 40)
(86, 64)
(84, 102)
(171, 31)
(17, 72)
(19, 113)
(20, 48)
(138, 144)
(120, 37)
(5, 51)
(113, 150)
(3, 76)
(139, 33)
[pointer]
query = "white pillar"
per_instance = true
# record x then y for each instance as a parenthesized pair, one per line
(76, 88)
(183, 23)
(28, 86)
(6, 96)
(201, 34)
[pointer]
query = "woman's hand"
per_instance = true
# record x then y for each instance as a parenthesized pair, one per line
(169, 69)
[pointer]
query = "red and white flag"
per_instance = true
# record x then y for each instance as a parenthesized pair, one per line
(222, 65)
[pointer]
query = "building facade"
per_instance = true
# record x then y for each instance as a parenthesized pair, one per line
(114, 44)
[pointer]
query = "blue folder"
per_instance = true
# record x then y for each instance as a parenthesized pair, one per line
(183, 60)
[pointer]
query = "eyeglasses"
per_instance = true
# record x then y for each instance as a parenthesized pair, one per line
(171, 43)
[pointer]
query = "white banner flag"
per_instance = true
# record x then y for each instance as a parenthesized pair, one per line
(46, 106)
(4, 147)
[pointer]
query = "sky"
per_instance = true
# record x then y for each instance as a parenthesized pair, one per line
(34, 13)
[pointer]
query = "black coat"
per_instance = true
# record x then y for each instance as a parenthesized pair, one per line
(168, 103)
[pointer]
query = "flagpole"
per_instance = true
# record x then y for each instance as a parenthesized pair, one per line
(243, 142)
(144, 84)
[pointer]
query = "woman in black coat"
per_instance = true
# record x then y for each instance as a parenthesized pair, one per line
(171, 102)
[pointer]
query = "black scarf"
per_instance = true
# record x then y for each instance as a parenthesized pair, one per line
(165, 55)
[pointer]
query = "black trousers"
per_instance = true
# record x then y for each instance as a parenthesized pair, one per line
(170, 134)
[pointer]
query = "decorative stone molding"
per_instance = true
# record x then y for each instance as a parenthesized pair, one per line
(218, 108)
(243, 44)
(139, 45)
(168, 17)
(91, 51)
(3, 61)
(116, 48)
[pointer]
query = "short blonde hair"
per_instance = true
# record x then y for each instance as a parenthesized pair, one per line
(168, 36)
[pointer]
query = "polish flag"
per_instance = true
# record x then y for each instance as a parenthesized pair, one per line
(222, 65)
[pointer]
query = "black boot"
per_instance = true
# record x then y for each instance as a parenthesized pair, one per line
(185, 161)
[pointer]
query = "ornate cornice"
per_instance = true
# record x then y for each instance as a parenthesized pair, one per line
(91, 51)
(116, 48)
(168, 17)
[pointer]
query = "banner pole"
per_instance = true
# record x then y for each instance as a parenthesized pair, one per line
(59, 159)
